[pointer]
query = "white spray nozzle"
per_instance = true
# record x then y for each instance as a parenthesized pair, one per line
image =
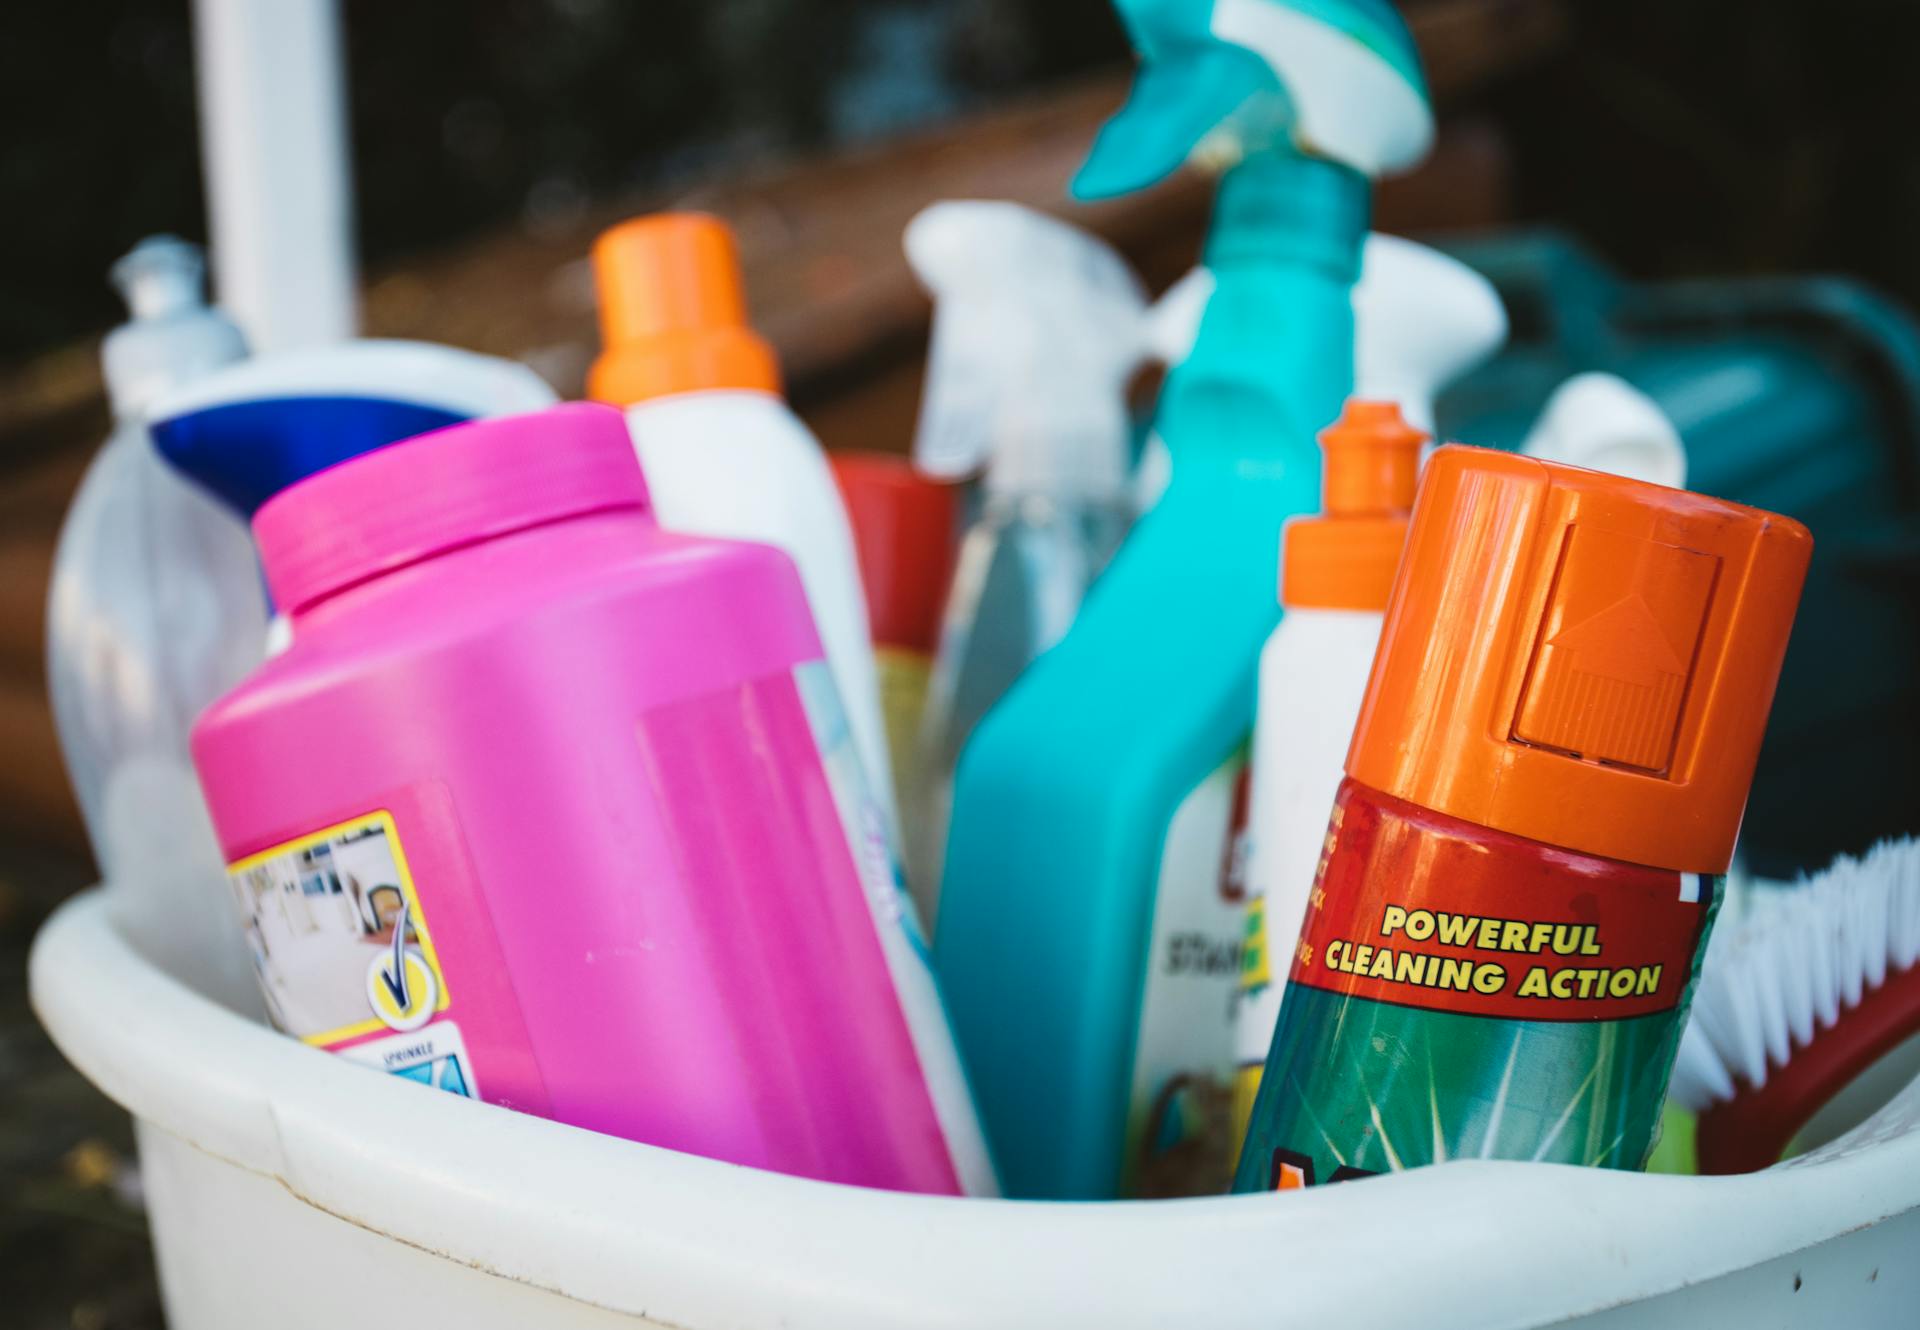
(161, 275)
(1351, 77)
(1037, 327)
(1604, 423)
(1420, 321)
(174, 335)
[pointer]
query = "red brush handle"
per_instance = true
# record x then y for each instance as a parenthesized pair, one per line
(1753, 1129)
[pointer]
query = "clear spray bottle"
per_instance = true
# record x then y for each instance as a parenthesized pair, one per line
(1037, 328)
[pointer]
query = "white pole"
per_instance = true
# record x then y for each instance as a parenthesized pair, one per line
(273, 140)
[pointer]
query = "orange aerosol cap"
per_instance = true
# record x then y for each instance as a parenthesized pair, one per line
(1580, 659)
(1345, 557)
(673, 312)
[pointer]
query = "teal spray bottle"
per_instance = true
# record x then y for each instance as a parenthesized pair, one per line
(1091, 912)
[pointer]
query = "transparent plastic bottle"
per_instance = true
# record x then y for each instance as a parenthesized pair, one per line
(156, 607)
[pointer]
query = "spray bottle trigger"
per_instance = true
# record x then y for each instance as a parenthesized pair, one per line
(1036, 327)
(1171, 110)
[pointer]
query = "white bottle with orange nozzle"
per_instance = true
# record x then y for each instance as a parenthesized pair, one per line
(723, 454)
(1336, 569)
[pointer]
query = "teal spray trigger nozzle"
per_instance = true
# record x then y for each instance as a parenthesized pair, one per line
(1170, 111)
(1037, 327)
(1227, 78)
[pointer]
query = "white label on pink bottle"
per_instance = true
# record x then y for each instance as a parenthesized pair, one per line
(344, 955)
(901, 938)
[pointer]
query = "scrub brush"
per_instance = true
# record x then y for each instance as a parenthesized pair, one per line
(1804, 987)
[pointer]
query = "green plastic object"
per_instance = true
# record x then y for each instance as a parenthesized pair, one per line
(1800, 395)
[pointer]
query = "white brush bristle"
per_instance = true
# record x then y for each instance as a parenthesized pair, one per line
(1784, 963)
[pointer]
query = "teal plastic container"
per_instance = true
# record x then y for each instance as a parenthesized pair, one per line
(1064, 796)
(1800, 395)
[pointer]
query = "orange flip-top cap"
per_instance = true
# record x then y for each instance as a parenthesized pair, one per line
(673, 314)
(1345, 558)
(1580, 659)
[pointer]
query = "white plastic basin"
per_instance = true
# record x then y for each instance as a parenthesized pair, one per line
(292, 1189)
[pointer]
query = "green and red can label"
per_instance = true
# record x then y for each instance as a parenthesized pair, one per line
(1458, 992)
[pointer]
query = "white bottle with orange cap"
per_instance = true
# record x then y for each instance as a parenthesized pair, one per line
(1335, 572)
(723, 454)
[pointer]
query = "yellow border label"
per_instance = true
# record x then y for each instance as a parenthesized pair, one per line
(416, 913)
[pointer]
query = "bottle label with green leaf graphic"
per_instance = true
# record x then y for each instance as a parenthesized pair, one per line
(1461, 993)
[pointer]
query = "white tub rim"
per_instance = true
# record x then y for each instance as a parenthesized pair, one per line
(1480, 1243)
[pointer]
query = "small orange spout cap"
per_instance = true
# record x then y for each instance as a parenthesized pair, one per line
(673, 314)
(1580, 659)
(1345, 558)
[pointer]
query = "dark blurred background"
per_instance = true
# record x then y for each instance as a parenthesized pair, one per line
(492, 138)
(1703, 137)
(497, 113)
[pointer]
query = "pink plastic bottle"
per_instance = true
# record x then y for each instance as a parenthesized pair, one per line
(550, 808)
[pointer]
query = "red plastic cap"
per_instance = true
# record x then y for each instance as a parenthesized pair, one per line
(904, 533)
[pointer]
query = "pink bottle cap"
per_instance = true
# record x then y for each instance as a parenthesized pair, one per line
(456, 486)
